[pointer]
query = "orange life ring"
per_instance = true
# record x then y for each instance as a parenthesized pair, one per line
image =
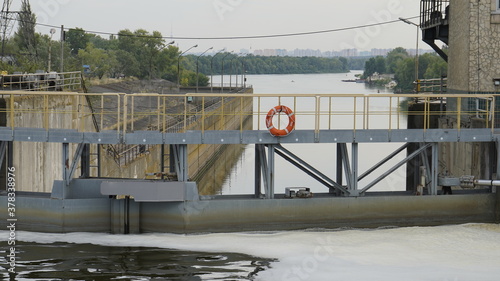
(291, 121)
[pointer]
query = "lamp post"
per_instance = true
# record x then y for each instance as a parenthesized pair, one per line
(153, 54)
(212, 71)
(197, 59)
(222, 73)
(52, 31)
(179, 65)
(416, 50)
(231, 73)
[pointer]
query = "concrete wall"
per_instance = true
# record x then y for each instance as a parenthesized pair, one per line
(209, 174)
(474, 43)
(39, 164)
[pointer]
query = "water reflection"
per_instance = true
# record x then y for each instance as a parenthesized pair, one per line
(63, 261)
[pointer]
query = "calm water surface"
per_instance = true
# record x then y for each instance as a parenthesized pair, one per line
(444, 253)
(321, 156)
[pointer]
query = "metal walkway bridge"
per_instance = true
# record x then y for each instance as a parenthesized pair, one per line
(180, 120)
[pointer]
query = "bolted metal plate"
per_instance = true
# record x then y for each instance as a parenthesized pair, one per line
(222, 137)
(144, 137)
(30, 134)
(104, 137)
(6, 134)
(440, 135)
(191, 137)
(336, 136)
(65, 136)
(260, 137)
(372, 136)
(473, 135)
(406, 135)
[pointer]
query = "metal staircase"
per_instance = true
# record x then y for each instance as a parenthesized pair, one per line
(434, 22)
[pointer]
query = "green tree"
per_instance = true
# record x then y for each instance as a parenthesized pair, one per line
(25, 35)
(375, 64)
(77, 39)
(98, 59)
(393, 58)
(405, 74)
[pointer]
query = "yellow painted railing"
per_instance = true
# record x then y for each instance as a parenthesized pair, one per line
(178, 113)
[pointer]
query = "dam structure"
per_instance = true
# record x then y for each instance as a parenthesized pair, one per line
(81, 200)
(131, 163)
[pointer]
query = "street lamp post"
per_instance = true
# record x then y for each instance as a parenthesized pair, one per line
(222, 73)
(212, 70)
(153, 54)
(179, 65)
(231, 74)
(416, 50)
(197, 59)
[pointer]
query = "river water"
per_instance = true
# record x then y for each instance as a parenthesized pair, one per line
(321, 156)
(468, 252)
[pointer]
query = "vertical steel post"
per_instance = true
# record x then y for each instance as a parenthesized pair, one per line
(258, 172)
(354, 168)
(65, 164)
(339, 164)
(270, 171)
(346, 165)
(85, 161)
(62, 48)
(435, 168)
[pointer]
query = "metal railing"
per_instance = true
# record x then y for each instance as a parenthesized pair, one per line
(52, 81)
(124, 113)
(433, 13)
(436, 85)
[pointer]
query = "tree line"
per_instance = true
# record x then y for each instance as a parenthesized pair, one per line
(402, 65)
(148, 55)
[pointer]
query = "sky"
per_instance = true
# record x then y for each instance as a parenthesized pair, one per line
(231, 18)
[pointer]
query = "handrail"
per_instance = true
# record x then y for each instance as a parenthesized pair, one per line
(130, 112)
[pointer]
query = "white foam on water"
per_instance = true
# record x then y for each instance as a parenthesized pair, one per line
(443, 253)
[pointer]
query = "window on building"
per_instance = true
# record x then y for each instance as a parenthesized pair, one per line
(498, 5)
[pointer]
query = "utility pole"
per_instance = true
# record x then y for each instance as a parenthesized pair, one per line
(62, 48)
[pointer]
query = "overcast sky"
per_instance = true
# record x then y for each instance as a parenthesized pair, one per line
(223, 18)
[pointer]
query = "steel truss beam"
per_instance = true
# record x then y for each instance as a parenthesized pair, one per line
(69, 169)
(395, 167)
(264, 168)
(308, 169)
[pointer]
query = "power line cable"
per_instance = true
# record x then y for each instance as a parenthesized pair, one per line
(229, 37)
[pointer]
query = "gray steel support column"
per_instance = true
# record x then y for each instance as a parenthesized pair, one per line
(354, 170)
(71, 167)
(270, 172)
(10, 154)
(162, 160)
(258, 172)
(85, 161)
(263, 166)
(339, 164)
(65, 163)
(171, 158)
(3, 149)
(99, 146)
(346, 165)
(497, 142)
(434, 169)
(428, 167)
(181, 165)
